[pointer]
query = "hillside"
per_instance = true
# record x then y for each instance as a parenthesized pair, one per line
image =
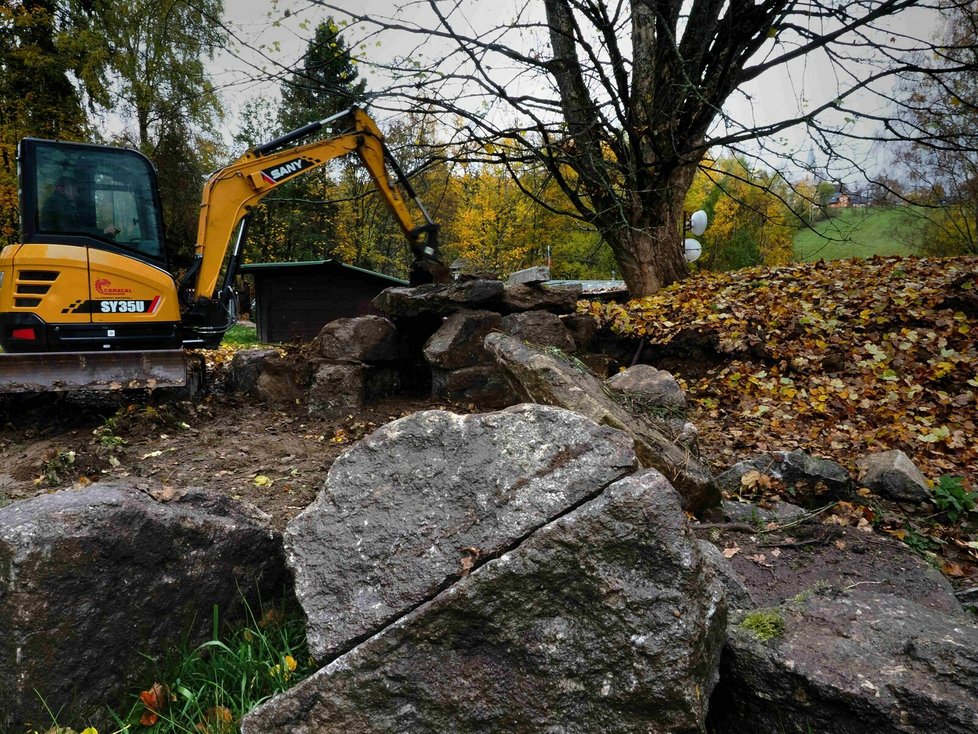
(838, 358)
(860, 232)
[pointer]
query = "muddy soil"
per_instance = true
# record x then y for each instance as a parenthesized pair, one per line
(275, 457)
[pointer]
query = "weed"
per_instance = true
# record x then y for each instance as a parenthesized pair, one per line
(107, 434)
(209, 688)
(920, 543)
(952, 498)
(764, 624)
(56, 469)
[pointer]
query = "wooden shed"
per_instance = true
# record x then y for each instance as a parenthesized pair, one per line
(293, 301)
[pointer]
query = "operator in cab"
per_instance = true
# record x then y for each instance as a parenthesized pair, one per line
(63, 212)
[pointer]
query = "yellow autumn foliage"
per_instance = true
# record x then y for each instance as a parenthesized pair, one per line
(751, 222)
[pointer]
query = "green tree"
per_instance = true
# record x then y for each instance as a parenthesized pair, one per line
(327, 82)
(51, 70)
(158, 50)
(299, 221)
(157, 55)
(184, 156)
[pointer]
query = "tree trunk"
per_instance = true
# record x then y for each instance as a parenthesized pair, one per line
(648, 244)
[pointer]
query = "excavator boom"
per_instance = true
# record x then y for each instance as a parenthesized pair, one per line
(231, 193)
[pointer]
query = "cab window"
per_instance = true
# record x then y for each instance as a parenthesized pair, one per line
(97, 192)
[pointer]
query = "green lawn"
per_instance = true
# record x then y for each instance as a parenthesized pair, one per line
(854, 233)
(241, 335)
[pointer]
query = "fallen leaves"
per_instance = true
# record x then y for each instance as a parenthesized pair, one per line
(853, 355)
(849, 514)
(755, 480)
(841, 359)
(166, 493)
(155, 700)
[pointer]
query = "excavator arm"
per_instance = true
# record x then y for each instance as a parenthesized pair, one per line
(231, 193)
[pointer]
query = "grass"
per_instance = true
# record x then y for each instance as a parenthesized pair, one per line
(862, 232)
(209, 688)
(241, 335)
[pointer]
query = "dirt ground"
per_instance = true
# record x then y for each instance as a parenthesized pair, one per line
(273, 457)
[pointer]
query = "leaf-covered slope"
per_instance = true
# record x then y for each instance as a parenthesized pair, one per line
(839, 358)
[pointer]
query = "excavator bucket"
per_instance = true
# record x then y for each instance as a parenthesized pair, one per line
(65, 371)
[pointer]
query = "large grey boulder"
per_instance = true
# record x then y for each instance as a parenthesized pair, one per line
(779, 564)
(337, 390)
(414, 505)
(893, 475)
(458, 343)
(268, 376)
(484, 385)
(439, 300)
(533, 275)
(559, 299)
(738, 595)
(606, 619)
(539, 327)
(546, 378)
(651, 389)
(584, 328)
(848, 663)
(361, 338)
(91, 580)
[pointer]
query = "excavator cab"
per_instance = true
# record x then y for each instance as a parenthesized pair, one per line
(91, 271)
(90, 196)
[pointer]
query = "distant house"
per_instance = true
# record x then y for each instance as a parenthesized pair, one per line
(838, 200)
(844, 198)
(293, 301)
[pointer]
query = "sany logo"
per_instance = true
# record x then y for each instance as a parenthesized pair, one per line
(104, 287)
(274, 175)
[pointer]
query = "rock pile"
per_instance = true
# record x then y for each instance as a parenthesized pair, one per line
(432, 338)
(524, 570)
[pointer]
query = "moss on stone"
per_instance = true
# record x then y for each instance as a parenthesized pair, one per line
(764, 624)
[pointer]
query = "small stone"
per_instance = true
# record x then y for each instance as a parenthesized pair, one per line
(893, 475)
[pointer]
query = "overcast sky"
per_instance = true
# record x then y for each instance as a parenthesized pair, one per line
(269, 43)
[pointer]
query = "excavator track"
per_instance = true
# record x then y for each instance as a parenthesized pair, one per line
(111, 370)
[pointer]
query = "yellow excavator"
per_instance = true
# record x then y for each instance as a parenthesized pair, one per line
(88, 299)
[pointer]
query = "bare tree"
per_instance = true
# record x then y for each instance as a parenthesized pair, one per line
(941, 160)
(620, 101)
